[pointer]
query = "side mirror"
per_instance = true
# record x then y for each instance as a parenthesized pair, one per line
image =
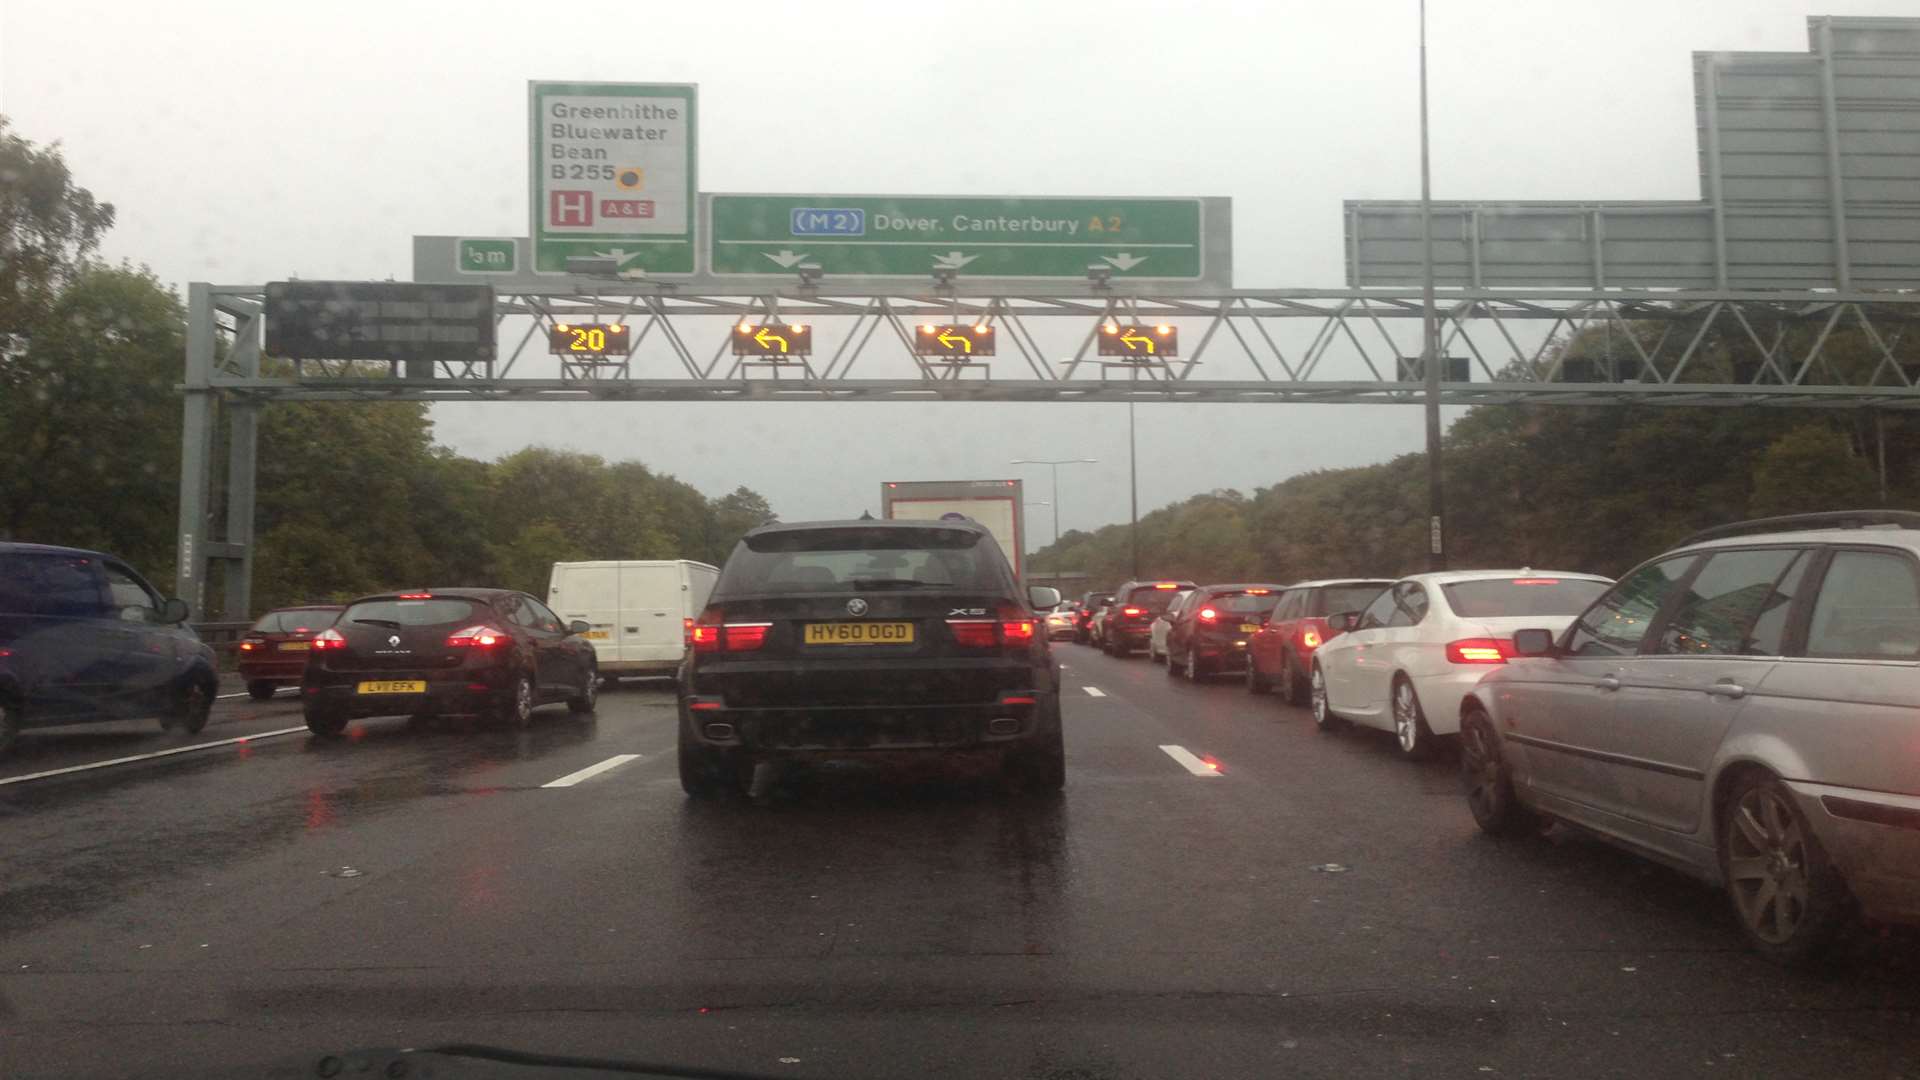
(174, 611)
(1043, 597)
(1533, 642)
(579, 626)
(1345, 622)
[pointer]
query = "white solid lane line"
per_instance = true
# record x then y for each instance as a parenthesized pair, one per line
(1192, 764)
(148, 757)
(1094, 691)
(592, 771)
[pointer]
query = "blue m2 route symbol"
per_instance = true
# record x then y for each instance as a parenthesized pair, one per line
(828, 221)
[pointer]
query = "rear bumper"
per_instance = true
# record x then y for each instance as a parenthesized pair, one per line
(1874, 838)
(289, 671)
(1225, 654)
(837, 730)
(452, 691)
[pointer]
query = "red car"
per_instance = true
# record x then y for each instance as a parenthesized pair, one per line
(274, 652)
(1280, 653)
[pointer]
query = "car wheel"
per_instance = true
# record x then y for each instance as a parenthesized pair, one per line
(1256, 682)
(260, 690)
(1173, 669)
(1195, 673)
(1041, 765)
(1488, 782)
(589, 695)
(327, 724)
(1410, 731)
(1789, 898)
(706, 773)
(9, 723)
(190, 709)
(516, 707)
(1324, 717)
(1293, 688)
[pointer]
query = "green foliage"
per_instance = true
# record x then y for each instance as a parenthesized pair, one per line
(1567, 488)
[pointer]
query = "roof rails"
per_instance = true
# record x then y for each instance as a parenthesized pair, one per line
(1832, 519)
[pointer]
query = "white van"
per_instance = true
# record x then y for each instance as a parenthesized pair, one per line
(637, 611)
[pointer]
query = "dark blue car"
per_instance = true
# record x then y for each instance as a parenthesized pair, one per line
(83, 637)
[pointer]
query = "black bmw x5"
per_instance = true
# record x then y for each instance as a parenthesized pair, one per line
(850, 638)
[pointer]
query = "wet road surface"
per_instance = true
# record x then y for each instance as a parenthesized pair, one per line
(1171, 915)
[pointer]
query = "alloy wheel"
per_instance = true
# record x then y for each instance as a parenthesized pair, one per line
(1767, 865)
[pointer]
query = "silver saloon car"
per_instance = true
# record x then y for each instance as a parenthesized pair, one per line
(1746, 708)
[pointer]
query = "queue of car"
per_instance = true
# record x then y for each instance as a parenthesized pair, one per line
(1741, 708)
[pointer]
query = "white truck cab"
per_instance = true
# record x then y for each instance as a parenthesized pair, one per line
(637, 611)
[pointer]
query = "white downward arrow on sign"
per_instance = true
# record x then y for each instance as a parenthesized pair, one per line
(1125, 260)
(786, 260)
(621, 257)
(952, 260)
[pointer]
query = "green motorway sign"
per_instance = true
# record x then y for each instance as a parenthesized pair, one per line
(918, 237)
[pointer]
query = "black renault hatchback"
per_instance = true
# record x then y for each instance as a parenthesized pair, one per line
(488, 651)
(847, 638)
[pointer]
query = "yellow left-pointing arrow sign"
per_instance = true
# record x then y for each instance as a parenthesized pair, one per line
(1132, 340)
(764, 336)
(950, 340)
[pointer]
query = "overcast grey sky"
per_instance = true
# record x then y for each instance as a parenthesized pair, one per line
(245, 142)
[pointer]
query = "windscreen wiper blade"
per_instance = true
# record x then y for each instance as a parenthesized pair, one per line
(380, 622)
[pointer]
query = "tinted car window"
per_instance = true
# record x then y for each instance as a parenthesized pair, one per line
(1337, 598)
(1869, 606)
(1378, 612)
(1153, 600)
(1723, 599)
(1501, 597)
(1768, 636)
(437, 611)
(1409, 605)
(1615, 624)
(543, 616)
(838, 560)
(132, 600)
(295, 620)
(66, 586)
(1245, 603)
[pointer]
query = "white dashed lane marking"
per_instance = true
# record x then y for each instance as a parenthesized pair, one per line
(592, 771)
(1094, 691)
(1192, 764)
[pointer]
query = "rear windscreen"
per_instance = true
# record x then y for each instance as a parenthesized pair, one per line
(1244, 603)
(1152, 599)
(1335, 599)
(438, 611)
(295, 620)
(856, 559)
(1497, 597)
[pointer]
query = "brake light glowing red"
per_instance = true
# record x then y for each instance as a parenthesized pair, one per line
(686, 632)
(1479, 651)
(416, 596)
(1132, 611)
(1018, 701)
(704, 637)
(973, 633)
(746, 637)
(1207, 614)
(1167, 585)
(249, 646)
(478, 636)
(1258, 592)
(1536, 581)
(328, 639)
(1017, 631)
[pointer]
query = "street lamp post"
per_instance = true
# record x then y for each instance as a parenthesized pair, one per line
(1430, 332)
(1054, 466)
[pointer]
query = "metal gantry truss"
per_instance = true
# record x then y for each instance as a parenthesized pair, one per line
(1774, 349)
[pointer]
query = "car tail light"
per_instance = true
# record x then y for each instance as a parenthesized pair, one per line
(1017, 631)
(415, 596)
(973, 633)
(478, 636)
(745, 636)
(1536, 581)
(1310, 639)
(1132, 611)
(249, 646)
(1207, 614)
(328, 639)
(704, 637)
(1479, 651)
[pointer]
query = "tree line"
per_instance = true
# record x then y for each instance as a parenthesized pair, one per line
(351, 497)
(1595, 488)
